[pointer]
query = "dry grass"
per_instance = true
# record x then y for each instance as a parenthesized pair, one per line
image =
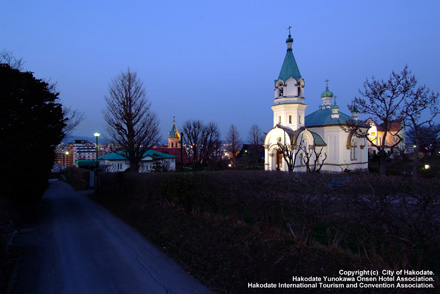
(231, 228)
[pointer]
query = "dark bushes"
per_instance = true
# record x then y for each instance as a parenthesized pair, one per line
(79, 178)
(231, 228)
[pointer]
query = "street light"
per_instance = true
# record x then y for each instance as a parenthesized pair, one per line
(96, 134)
(67, 159)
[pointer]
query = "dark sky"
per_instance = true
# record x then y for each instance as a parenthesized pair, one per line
(217, 60)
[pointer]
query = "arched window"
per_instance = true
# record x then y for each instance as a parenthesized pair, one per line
(353, 149)
(281, 90)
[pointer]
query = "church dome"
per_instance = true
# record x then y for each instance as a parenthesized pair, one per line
(334, 106)
(327, 93)
(289, 39)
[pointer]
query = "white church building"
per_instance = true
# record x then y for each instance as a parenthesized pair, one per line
(324, 140)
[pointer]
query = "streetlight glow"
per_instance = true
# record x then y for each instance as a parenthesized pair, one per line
(96, 134)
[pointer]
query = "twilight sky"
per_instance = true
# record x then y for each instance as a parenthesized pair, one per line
(217, 60)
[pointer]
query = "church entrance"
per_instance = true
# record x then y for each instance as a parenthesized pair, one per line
(279, 160)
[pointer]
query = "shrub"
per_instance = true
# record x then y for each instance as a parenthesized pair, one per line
(79, 178)
(251, 226)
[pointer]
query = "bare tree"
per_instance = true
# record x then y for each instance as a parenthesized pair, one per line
(73, 118)
(234, 142)
(290, 154)
(309, 155)
(421, 108)
(255, 138)
(384, 101)
(131, 123)
(290, 149)
(7, 57)
(313, 152)
(201, 142)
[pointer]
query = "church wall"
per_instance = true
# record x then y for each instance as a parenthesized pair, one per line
(338, 155)
(292, 115)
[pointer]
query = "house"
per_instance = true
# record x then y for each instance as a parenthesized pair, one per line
(151, 161)
(395, 134)
(325, 140)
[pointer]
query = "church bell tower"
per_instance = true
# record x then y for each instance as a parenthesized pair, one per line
(289, 103)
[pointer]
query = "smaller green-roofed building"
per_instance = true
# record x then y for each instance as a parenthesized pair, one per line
(151, 161)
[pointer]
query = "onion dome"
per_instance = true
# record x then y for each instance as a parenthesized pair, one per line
(327, 93)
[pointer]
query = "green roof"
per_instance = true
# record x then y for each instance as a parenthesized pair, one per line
(121, 155)
(323, 117)
(81, 163)
(118, 155)
(289, 68)
(318, 141)
(327, 93)
(157, 155)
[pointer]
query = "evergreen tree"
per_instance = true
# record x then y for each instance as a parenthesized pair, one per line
(31, 125)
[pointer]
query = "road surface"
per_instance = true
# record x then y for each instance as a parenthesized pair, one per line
(80, 248)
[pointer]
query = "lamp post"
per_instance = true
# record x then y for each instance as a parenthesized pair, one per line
(96, 147)
(96, 134)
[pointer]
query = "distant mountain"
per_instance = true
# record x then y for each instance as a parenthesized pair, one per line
(70, 139)
(102, 140)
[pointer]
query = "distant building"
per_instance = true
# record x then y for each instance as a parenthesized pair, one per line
(174, 140)
(324, 130)
(174, 146)
(63, 155)
(395, 131)
(151, 161)
(83, 150)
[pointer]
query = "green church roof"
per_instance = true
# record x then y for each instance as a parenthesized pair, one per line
(289, 68)
(323, 117)
(327, 93)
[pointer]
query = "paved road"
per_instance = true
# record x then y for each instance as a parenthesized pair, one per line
(81, 248)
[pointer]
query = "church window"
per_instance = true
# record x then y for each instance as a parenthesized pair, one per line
(299, 119)
(299, 91)
(279, 119)
(290, 119)
(281, 91)
(353, 150)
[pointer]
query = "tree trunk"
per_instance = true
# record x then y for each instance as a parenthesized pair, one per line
(134, 166)
(382, 162)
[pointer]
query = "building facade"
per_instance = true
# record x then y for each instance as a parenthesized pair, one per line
(325, 140)
(152, 161)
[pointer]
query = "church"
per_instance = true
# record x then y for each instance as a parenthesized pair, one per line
(324, 140)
